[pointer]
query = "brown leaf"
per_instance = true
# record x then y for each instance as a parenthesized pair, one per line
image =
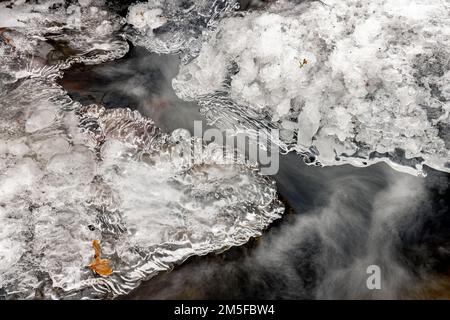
(98, 250)
(99, 265)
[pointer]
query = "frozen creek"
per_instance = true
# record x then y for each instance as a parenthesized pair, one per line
(71, 174)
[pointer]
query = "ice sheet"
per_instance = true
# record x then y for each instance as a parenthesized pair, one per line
(71, 174)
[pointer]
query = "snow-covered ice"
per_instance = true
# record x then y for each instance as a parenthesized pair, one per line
(361, 81)
(71, 174)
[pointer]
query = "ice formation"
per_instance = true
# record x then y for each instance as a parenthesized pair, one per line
(71, 174)
(175, 26)
(348, 81)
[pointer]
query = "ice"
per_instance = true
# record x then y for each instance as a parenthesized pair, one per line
(39, 120)
(175, 26)
(18, 178)
(87, 34)
(126, 183)
(71, 174)
(46, 149)
(374, 85)
(136, 190)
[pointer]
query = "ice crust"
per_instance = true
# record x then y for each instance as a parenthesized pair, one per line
(375, 85)
(71, 174)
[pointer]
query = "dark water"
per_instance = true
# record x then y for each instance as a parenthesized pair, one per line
(339, 220)
(314, 250)
(140, 81)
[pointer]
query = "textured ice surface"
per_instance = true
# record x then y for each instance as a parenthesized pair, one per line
(360, 81)
(175, 26)
(72, 174)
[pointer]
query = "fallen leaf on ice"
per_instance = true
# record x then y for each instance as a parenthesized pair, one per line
(99, 265)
